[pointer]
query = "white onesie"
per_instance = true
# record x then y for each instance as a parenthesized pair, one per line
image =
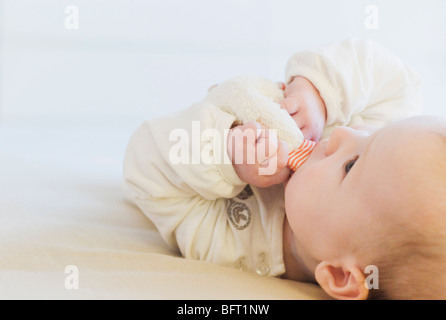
(204, 209)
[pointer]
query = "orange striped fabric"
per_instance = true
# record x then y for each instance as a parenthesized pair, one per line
(297, 157)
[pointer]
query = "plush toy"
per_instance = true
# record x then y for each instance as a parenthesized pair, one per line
(256, 98)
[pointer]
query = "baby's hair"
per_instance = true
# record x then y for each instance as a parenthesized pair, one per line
(412, 265)
(411, 255)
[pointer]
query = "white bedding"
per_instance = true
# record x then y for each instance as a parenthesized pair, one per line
(62, 204)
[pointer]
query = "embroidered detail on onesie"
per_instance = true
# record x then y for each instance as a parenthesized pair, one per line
(239, 214)
(297, 157)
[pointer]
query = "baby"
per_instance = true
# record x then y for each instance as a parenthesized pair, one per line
(377, 200)
(361, 199)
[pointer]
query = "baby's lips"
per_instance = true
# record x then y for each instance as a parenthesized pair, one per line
(297, 157)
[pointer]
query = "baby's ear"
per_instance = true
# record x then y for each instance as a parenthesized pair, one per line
(345, 282)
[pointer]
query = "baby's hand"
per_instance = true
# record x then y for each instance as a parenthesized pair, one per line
(257, 155)
(305, 105)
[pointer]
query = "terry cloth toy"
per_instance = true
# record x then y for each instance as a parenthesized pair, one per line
(254, 98)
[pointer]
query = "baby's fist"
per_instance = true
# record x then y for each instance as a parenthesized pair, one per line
(257, 155)
(305, 105)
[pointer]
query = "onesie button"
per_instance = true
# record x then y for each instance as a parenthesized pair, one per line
(262, 267)
(241, 264)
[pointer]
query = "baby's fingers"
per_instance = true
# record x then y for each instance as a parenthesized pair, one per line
(281, 85)
(282, 154)
(276, 162)
(313, 130)
(242, 142)
(252, 127)
(290, 104)
(267, 145)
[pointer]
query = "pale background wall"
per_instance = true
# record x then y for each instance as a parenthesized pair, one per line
(146, 58)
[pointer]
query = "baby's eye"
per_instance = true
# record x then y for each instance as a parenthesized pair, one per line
(349, 165)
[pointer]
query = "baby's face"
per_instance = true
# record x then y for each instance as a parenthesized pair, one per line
(349, 180)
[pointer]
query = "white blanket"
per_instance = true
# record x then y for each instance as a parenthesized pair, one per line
(62, 209)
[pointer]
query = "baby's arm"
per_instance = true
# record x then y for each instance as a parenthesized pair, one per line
(360, 82)
(187, 201)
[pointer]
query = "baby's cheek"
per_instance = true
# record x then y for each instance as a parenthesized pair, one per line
(306, 175)
(295, 193)
(296, 212)
(306, 190)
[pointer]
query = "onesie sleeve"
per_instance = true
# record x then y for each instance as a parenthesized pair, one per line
(178, 173)
(360, 81)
